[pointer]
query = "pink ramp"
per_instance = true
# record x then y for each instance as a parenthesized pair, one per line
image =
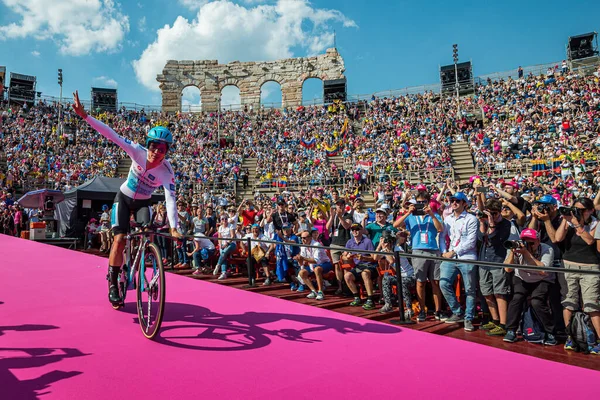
(60, 339)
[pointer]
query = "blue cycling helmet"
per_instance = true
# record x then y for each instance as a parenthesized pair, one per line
(159, 134)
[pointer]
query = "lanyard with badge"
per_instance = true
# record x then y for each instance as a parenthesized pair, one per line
(423, 236)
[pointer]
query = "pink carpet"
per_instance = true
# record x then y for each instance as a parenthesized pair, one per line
(60, 339)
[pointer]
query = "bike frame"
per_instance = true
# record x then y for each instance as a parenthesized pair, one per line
(145, 238)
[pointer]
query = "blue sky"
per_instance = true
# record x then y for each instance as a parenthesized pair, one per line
(385, 44)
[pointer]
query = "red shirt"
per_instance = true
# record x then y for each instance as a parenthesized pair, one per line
(248, 217)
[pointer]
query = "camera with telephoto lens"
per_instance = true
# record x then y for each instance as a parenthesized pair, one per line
(569, 211)
(542, 208)
(388, 237)
(514, 244)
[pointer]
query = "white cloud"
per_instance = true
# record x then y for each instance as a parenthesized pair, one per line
(226, 31)
(35, 53)
(230, 98)
(77, 26)
(106, 81)
(193, 4)
(142, 24)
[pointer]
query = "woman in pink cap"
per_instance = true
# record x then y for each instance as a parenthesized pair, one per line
(530, 283)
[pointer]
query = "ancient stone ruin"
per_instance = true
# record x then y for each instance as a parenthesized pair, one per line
(211, 77)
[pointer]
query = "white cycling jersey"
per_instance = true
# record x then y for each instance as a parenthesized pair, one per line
(141, 183)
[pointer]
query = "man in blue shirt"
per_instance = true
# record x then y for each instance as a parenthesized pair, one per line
(424, 230)
(461, 229)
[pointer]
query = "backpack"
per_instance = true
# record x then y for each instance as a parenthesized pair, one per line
(581, 332)
(531, 328)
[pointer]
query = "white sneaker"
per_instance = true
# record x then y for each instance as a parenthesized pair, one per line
(222, 276)
(326, 283)
(312, 295)
(320, 296)
(216, 270)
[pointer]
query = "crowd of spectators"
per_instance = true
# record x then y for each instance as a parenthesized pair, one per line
(543, 117)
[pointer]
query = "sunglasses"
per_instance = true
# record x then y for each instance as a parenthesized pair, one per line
(305, 237)
(455, 201)
(505, 209)
(155, 149)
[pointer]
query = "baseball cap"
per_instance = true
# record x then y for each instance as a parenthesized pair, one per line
(512, 183)
(255, 226)
(355, 226)
(287, 226)
(547, 199)
(529, 233)
(302, 214)
(340, 201)
(460, 196)
(381, 209)
(104, 207)
(281, 202)
(412, 201)
(421, 187)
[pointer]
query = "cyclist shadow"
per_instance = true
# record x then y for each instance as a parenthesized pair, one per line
(35, 357)
(202, 329)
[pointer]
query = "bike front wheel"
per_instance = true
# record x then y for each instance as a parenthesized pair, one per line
(150, 289)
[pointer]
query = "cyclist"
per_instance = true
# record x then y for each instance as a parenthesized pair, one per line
(149, 170)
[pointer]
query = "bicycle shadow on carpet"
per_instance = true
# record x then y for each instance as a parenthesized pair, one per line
(24, 358)
(205, 330)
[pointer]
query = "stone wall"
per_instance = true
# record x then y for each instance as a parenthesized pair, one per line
(211, 77)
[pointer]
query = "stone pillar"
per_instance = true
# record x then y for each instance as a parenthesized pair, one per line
(210, 96)
(250, 96)
(291, 93)
(171, 100)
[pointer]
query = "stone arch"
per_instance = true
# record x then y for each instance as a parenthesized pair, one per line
(307, 96)
(190, 105)
(230, 99)
(229, 82)
(270, 77)
(247, 76)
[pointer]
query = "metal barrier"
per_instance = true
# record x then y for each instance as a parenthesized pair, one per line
(397, 257)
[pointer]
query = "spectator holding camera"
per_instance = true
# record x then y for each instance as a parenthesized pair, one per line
(494, 283)
(424, 226)
(460, 228)
(529, 283)
(578, 231)
(545, 219)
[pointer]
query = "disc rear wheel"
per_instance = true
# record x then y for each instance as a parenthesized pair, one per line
(150, 291)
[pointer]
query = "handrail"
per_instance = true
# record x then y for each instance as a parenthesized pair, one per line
(402, 254)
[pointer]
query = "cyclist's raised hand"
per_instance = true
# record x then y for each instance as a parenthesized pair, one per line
(78, 107)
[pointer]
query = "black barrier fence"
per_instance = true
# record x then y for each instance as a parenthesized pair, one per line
(397, 256)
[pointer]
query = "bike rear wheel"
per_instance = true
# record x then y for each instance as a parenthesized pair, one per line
(150, 289)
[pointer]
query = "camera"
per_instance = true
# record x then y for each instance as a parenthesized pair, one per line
(482, 189)
(388, 237)
(569, 211)
(419, 209)
(542, 208)
(481, 214)
(514, 244)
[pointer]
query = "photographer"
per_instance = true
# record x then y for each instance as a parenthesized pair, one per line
(577, 230)
(494, 230)
(390, 244)
(424, 226)
(529, 251)
(545, 219)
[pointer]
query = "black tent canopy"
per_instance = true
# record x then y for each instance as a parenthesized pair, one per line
(99, 190)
